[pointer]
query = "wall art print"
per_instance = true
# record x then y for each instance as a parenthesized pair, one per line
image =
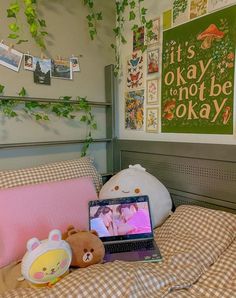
(180, 12)
(217, 4)
(198, 8)
(167, 19)
(198, 75)
(152, 119)
(153, 60)
(152, 90)
(135, 72)
(134, 110)
(9, 57)
(155, 39)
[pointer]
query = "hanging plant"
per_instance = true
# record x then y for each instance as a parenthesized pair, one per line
(137, 12)
(41, 111)
(36, 26)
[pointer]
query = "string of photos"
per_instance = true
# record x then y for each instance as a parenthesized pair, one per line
(43, 68)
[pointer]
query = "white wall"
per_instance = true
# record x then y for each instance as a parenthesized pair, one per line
(155, 9)
(68, 35)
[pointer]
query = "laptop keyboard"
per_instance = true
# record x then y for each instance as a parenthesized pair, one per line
(129, 246)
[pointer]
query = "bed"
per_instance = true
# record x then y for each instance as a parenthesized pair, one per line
(198, 245)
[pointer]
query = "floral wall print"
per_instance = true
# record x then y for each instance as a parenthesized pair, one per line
(216, 4)
(152, 91)
(153, 58)
(135, 79)
(197, 8)
(198, 75)
(134, 109)
(156, 33)
(152, 120)
(180, 12)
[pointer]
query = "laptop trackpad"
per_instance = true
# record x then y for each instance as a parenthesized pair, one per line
(124, 256)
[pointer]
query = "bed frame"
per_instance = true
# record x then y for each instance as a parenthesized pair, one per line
(199, 174)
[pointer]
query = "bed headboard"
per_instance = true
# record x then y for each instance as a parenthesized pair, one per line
(200, 174)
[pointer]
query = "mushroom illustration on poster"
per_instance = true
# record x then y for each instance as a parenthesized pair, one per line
(198, 75)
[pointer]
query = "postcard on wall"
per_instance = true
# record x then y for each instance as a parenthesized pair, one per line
(62, 69)
(198, 70)
(10, 58)
(134, 109)
(217, 4)
(152, 119)
(75, 64)
(197, 8)
(42, 71)
(180, 12)
(167, 19)
(155, 39)
(152, 91)
(28, 62)
(153, 60)
(138, 39)
(135, 72)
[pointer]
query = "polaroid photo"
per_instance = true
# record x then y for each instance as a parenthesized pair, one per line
(42, 71)
(61, 69)
(10, 58)
(75, 64)
(28, 62)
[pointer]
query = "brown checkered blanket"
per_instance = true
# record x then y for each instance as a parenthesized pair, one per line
(199, 250)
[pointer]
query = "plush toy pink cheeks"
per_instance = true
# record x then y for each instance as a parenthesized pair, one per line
(39, 275)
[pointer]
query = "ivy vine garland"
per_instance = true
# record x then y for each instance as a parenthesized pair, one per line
(41, 111)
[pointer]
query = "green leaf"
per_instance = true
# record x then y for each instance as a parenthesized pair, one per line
(13, 36)
(132, 4)
(99, 16)
(42, 23)
(21, 41)
(143, 10)
(83, 118)
(14, 27)
(38, 117)
(1, 88)
(132, 15)
(11, 13)
(22, 92)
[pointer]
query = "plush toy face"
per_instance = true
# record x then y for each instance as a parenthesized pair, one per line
(135, 181)
(46, 260)
(48, 266)
(87, 248)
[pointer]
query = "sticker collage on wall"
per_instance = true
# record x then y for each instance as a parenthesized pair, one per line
(43, 69)
(184, 81)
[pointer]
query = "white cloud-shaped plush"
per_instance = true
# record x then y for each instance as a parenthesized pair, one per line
(136, 181)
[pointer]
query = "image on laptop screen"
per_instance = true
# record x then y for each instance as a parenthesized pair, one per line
(122, 218)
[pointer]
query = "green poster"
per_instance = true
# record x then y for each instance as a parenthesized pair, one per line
(198, 75)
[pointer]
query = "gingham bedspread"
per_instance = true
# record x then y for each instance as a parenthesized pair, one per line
(199, 260)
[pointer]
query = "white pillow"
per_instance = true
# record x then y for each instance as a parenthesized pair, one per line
(136, 181)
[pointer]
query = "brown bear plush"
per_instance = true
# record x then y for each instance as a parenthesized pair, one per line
(87, 248)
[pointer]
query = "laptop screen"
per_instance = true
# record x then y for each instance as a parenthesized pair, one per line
(121, 218)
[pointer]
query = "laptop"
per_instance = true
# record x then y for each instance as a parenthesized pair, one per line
(125, 227)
